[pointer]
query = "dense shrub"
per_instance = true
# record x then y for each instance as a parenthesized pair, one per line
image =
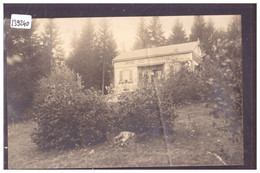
(145, 112)
(185, 86)
(66, 115)
(227, 87)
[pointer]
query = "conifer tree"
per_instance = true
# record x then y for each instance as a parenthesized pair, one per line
(23, 51)
(205, 32)
(92, 55)
(198, 28)
(208, 38)
(82, 57)
(51, 45)
(106, 51)
(156, 33)
(178, 34)
(73, 43)
(142, 38)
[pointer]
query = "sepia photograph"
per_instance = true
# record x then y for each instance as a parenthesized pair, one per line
(124, 92)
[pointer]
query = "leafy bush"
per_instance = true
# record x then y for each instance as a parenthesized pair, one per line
(145, 112)
(184, 86)
(227, 87)
(222, 66)
(66, 115)
(150, 109)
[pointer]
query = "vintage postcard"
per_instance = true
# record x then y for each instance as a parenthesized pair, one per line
(140, 91)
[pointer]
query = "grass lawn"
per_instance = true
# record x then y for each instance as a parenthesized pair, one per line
(194, 143)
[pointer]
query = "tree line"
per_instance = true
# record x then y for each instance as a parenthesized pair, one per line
(31, 55)
(152, 35)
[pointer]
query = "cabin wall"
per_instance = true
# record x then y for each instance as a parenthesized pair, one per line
(126, 72)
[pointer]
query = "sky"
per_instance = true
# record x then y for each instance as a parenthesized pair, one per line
(124, 29)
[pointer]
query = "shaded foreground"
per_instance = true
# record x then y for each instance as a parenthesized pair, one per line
(194, 143)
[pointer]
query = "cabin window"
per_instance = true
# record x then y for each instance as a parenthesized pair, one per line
(126, 76)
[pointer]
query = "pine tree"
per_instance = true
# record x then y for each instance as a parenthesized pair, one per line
(156, 33)
(178, 34)
(52, 43)
(106, 49)
(87, 38)
(22, 52)
(208, 37)
(205, 32)
(142, 38)
(18, 41)
(198, 28)
(82, 58)
(74, 43)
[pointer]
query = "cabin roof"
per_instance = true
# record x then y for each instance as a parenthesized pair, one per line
(157, 51)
